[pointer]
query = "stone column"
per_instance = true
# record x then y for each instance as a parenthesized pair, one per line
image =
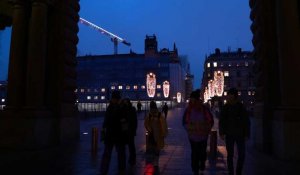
(287, 120)
(17, 61)
(36, 54)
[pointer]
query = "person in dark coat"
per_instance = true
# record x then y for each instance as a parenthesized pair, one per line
(132, 119)
(234, 127)
(115, 129)
(165, 110)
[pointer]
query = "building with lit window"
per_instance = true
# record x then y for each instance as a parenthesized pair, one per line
(223, 70)
(154, 75)
(3, 90)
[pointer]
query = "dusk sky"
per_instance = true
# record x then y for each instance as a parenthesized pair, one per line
(196, 26)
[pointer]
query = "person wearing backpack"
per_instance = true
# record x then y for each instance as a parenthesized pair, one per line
(157, 130)
(234, 127)
(197, 121)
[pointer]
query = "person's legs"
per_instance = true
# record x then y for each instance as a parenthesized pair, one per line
(104, 166)
(132, 151)
(241, 148)
(203, 154)
(121, 157)
(230, 150)
(195, 156)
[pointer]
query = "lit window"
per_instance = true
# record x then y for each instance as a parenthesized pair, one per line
(215, 64)
(253, 93)
(158, 94)
(237, 64)
(229, 64)
(75, 90)
(225, 101)
(113, 87)
(222, 65)
(103, 90)
(239, 93)
(158, 86)
(3, 100)
(225, 93)
(127, 87)
(208, 74)
(81, 90)
(143, 87)
(208, 64)
(96, 98)
(246, 64)
(135, 87)
(226, 74)
(102, 97)
(120, 87)
(249, 92)
(88, 97)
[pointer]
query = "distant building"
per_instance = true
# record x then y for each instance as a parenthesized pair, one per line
(223, 70)
(154, 75)
(3, 90)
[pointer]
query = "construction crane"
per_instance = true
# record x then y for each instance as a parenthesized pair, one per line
(114, 38)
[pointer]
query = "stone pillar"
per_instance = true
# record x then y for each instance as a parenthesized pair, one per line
(36, 54)
(287, 121)
(17, 61)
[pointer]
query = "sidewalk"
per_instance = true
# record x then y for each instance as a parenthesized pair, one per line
(78, 159)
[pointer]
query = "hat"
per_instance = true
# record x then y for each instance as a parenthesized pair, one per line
(233, 91)
(116, 95)
(195, 94)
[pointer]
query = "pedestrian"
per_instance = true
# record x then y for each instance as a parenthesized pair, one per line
(165, 110)
(198, 121)
(157, 130)
(132, 119)
(115, 129)
(139, 106)
(234, 127)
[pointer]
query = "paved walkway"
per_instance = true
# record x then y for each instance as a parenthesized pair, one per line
(78, 159)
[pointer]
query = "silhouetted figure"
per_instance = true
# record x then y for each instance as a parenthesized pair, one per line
(115, 129)
(139, 106)
(165, 110)
(156, 127)
(198, 121)
(132, 121)
(234, 127)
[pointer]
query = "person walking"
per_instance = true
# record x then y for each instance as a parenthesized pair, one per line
(165, 110)
(157, 130)
(132, 121)
(139, 106)
(234, 127)
(198, 121)
(115, 129)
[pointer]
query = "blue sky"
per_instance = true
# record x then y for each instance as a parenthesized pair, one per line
(196, 26)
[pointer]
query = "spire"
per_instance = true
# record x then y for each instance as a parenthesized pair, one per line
(174, 47)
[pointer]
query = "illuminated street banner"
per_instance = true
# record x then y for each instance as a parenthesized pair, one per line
(151, 84)
(178, 97)
(219, 83)
(166, 89)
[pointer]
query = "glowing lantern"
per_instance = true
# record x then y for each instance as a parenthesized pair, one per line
(166, 88)
(219, 82)
(178, 97)
(151, 84)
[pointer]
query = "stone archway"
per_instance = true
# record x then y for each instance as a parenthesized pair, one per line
(40, 108)
(42, 77)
